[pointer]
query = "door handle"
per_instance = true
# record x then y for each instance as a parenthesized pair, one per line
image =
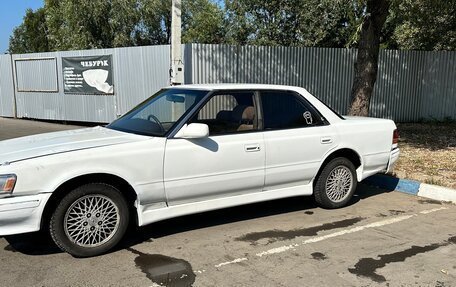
(326, 140)
(252, 148)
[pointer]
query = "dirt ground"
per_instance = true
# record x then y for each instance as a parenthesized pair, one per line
(428, 153)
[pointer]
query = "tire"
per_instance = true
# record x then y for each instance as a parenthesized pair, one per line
(90, 220)
(336, 184)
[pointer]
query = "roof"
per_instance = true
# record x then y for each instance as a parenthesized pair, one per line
(236, 87)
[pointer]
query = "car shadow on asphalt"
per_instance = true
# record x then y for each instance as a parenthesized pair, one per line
(36, 243)
(40, 243)
(234, 214)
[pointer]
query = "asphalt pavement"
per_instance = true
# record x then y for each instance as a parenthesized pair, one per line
(383, 238)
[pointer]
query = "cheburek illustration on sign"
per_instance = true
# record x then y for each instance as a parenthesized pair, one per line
(97, 78)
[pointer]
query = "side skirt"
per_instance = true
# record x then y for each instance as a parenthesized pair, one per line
(150, 213)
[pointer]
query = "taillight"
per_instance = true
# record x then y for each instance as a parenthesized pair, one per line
(395, 136)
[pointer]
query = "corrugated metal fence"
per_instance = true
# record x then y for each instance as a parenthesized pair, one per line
(6, 87)
(411, 85)
(138, 73)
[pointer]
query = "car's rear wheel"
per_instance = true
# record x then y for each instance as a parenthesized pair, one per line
(336, 183)
(90, 220)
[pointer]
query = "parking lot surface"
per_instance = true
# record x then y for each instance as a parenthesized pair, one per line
(383, 238)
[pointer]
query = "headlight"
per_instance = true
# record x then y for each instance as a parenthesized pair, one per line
(7, 183)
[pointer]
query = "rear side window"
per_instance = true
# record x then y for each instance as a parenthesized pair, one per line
(286, 110)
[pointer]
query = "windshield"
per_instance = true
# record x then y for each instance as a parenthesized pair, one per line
(158, 114)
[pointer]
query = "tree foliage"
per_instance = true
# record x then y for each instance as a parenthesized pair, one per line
(86, 24)
(203, 22)
(79, 24)
(30, 36)
(89, 24)
(425, 25)
(289, 22)
(154, 26)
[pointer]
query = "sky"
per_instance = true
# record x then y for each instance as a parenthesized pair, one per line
(11, 14)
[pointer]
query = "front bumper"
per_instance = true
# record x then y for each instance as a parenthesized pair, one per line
(394, 156)
(22, 214)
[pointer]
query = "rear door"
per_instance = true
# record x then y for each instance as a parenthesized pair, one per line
(228, 162)
(296, 139)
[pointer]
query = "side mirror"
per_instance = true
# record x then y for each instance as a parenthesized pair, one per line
(193, 131)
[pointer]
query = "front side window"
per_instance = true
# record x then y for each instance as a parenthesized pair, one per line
(228, 112)
(158, 114)
(285, 110)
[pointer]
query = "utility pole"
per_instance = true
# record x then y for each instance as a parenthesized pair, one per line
(177, 66)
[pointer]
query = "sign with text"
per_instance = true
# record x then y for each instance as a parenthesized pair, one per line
(88, 75)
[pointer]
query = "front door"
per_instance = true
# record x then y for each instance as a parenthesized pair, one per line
(228, 162)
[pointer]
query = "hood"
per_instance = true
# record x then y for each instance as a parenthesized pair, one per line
(59, 142)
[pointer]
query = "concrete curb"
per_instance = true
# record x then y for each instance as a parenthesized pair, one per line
(412, 187)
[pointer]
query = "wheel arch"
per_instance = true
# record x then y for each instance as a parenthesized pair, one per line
(125, 188)
(347, 153)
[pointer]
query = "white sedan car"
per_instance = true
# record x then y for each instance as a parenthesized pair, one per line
(187, 149)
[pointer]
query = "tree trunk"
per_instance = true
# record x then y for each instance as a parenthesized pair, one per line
(366, 65)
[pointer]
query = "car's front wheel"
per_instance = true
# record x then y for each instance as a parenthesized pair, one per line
(90, 220)
(336, 183)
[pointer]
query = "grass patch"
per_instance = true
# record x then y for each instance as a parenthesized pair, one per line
(428, 153)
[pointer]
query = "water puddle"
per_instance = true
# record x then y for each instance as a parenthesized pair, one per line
(276, 235)
(367, 267)
(396, 212)
(429, 201)
(9, 248)
(318, 256)
(164, 270)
